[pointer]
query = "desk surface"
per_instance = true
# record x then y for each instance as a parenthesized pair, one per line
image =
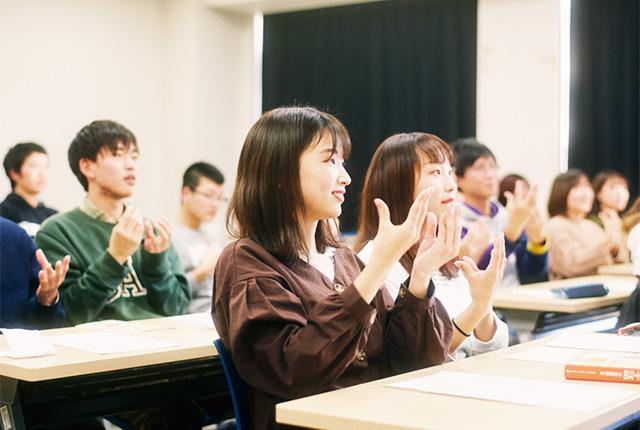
(531, 296)
(375, 406)
(625, 269)
(193, 334)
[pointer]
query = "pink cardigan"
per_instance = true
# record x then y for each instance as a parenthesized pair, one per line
(577, 248)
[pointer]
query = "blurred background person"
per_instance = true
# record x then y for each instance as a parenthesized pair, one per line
(611, 195)
(578, 246)
(197, 247)
(27, 167)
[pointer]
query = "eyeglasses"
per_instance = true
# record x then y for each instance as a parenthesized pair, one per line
(483, 168)
(211, 196)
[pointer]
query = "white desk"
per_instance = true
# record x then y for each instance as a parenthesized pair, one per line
(77, 384)
(375, 406)
(623, 269)
(525, 306)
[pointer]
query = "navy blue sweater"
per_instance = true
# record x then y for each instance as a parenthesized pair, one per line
(19, 269)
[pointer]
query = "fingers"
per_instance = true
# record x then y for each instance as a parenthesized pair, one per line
(457, 226)
(148, 230)
(420, 207)
(42, 259)
(508, 195)
(498, 254)
(519, 189)
(468, 267)
(131, 223)
(61, 269)
(156, 243)
(430, 226)
(383, 211)
(163, 226)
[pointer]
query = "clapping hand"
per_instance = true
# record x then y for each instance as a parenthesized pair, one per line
(438, 246)
(157, 243)
(520, 203)
(392, 241)
(50, 278)
(483, 283)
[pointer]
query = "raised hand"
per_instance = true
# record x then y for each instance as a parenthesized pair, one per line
(50, 278)
(391, 242)
(126, 235)
(475, 241)
(483, 283)
(519, 206)
(612, 226)
(157, 243)
(438, 246)
(534, 227)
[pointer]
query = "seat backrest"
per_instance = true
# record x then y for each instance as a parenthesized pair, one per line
(237, 387)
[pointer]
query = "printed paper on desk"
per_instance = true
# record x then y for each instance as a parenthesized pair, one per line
(598, 341)
(557, 395)
(108, 343)
(26, 343)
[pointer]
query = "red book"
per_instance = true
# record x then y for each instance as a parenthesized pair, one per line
(604, 366)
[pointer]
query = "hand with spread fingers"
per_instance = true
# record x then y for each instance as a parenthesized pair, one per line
(50, 278)
(160, 242)
(126, 235)
(438, 246)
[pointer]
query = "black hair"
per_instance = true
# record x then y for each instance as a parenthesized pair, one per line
(17, 155)
(192, 175)
(466, 151)
(92, 138)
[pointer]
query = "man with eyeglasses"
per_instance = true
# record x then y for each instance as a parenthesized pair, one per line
(193, 236)
(476, 173)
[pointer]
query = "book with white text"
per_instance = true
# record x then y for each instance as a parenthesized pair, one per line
(604, 366)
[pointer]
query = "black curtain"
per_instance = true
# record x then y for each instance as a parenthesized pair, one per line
(381, 68)
(604, 101)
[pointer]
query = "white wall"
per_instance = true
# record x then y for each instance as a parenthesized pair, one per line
(518, 98)
(174, 72)
(178, 73)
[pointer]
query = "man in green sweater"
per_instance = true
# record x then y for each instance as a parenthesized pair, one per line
(122, 266)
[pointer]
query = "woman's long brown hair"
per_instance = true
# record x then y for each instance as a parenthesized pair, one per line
(392, 177)
(267, 204)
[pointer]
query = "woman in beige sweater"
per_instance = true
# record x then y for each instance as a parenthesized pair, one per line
(577, 246)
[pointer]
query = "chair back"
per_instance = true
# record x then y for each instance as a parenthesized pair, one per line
(237, 387)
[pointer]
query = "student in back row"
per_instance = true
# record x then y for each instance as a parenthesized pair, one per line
(27, 167)
(476, 173)
(122, 267)
(197, 246)
(577, 245)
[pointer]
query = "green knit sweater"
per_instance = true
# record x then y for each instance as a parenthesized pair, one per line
(97, 287)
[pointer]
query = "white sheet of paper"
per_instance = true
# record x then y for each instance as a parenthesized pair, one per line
(622, 285)
(597, 341)
(546, 354)
(26, 343)
(122, 327)
(558, 395)
(108, 343)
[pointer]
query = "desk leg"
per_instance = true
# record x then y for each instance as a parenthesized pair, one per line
(522, 321)
(11, 416)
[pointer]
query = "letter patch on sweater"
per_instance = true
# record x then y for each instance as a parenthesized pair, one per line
(130, 286)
